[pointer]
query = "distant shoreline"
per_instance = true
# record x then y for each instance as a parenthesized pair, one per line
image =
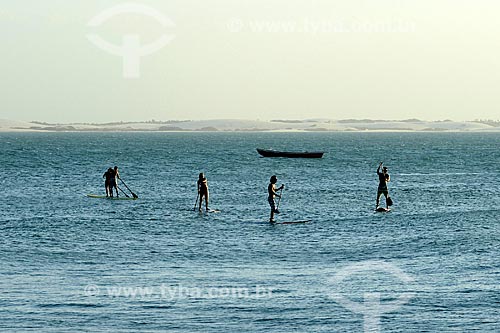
(246, 131)
(246, 126)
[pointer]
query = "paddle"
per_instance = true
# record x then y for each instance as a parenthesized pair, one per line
(279, 199)
(197, 196)
(133, 194)
(122, 191)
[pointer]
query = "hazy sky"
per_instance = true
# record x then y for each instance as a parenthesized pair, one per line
(250, 59)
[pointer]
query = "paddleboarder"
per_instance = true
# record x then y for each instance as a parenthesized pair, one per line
(202, 186)
(271, 190)
(112, 182)
(383, 178)
(107, 176)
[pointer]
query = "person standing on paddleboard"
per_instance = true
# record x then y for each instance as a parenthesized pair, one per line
(383, 178)
(112, 182)
(107, 175)
(271, 190)
(202, 185)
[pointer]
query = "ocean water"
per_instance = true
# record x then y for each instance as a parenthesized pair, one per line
(72, 263)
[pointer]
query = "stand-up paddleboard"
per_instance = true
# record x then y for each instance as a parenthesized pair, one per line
(208, 211)
(96, 196)
(382, 210)
(291, 222)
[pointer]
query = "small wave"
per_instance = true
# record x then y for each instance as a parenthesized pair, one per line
(443, 174)
(62, 305)
(157, 307)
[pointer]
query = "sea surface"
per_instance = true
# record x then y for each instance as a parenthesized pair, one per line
(70, 263)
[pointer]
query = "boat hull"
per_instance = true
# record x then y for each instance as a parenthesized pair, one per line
(274, 153)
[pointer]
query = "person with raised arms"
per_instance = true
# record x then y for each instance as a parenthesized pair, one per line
(383, 178)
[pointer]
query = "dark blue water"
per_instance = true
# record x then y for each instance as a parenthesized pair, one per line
(72, 263)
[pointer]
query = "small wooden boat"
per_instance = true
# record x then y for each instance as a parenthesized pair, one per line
(275, 153)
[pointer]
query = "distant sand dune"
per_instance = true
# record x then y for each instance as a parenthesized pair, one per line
(229, 125)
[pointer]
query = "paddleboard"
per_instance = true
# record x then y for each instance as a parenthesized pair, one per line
(292, 222)
(382, 210)
(208, 211)
(96, 196)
